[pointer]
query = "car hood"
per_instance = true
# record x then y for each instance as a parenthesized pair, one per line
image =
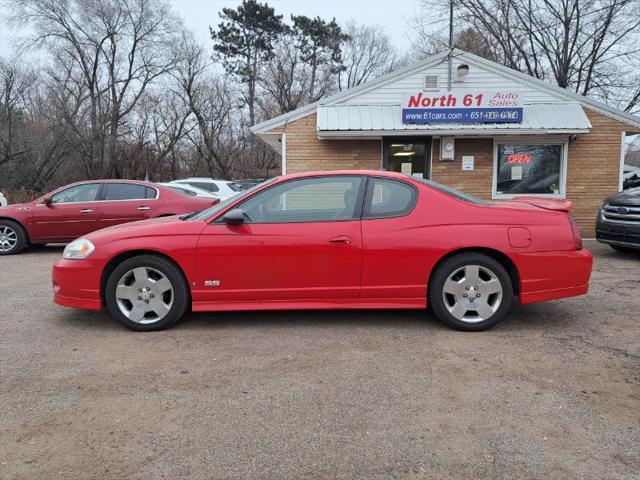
(627, 197)
(16, 207)
(145, 228)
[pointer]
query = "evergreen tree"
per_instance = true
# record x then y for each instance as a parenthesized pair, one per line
(244, 41)
(320, 44)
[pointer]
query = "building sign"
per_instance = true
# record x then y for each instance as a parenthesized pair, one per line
(462, 107)
(519, 158)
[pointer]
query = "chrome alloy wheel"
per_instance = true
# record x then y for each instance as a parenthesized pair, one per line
(144, 295)
(8, 238)
(472, 293)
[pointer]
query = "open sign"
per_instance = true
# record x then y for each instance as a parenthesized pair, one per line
(519, 158)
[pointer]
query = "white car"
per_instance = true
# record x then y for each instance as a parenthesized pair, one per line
(189, 190)
(222, 189)
(3, 200)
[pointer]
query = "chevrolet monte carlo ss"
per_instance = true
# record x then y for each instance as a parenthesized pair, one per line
(79, 208)
(332, 240)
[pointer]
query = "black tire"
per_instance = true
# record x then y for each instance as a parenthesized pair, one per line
(452, 265)
(180, 297)
(623, 249)
(20, 234)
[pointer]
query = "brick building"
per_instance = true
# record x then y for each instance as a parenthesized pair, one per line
(495, 133)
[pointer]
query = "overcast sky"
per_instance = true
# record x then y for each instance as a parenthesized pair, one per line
(394, 15)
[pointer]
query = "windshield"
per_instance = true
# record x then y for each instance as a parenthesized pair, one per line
(218, 207)
(452, 191)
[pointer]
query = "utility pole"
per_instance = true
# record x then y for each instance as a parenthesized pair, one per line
(450, 59)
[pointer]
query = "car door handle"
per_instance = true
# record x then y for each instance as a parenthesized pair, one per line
(340, 240)
(86, 210)
(144, 208)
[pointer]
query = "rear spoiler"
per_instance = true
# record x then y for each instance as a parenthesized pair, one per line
(546, 203)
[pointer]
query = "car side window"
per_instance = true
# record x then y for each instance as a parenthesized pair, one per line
(320, 199)
(389, 198)
(183, 191)
(127, 191)
(209, 187)
(79, 193)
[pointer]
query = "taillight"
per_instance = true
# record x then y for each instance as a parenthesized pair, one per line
(575, 232)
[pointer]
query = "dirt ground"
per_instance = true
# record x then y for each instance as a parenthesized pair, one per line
(553, 392)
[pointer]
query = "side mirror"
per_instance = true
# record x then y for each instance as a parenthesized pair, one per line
(47, 200)
(234, 217)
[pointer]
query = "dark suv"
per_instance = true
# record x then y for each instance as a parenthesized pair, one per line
(618, 223)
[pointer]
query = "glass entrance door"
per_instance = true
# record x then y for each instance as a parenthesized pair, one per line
(408, 155)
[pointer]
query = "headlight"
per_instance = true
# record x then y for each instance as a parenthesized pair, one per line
(78, 249)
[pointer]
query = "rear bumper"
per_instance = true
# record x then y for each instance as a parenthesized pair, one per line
(553, 275)
(76, 283)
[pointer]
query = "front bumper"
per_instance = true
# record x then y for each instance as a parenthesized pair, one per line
(624, 235)
(552, 275)
(76, 283)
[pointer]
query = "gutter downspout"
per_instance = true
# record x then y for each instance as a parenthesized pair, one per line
(283, 152)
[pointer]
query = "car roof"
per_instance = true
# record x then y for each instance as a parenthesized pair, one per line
(200, 179)
(111, 180)
(377, 173)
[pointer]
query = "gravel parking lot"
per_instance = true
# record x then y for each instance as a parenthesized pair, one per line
(554, 392)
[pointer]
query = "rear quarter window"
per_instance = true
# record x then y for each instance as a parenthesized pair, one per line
(388, 198)
(128, 191)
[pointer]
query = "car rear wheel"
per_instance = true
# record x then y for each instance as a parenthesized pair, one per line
(147, 293)
(470, 292)
(13, 238)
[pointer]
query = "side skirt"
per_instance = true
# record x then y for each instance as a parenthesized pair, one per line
(356, 303)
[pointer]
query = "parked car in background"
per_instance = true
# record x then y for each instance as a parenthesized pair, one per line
(223, 189)
(350, 239)
(618, 223)
(189, 190)
(80, 208)
(247, 183)
(3, 200)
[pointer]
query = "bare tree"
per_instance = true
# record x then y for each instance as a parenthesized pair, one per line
(162, 119)
(210, 100)
(285, 80)
(368, 53)
(111, 50)
(15, 83)
(33, 141)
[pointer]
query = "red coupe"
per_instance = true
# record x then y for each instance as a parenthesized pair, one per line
(349, 239)
(80, 208)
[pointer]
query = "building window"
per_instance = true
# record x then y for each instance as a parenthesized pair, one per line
(408, 155)
(529, 169)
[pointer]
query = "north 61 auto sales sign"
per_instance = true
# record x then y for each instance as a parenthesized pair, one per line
(462, 107)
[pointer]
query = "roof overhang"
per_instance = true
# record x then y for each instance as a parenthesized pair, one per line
(375, 135)
(345, 120)
(273, 139)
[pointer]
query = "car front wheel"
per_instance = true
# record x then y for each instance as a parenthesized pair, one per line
(13, 238)
(147, 293)
(470, 292)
